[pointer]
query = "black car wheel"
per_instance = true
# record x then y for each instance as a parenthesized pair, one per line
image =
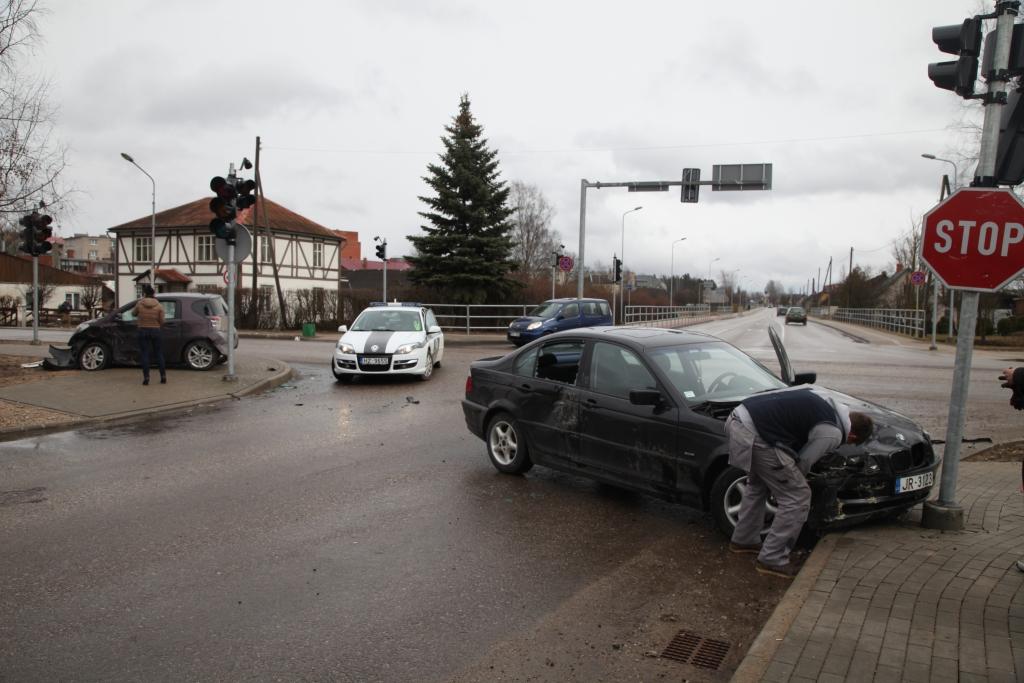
(506, 445)
(94, 356)
(200, 355)
(726, 496)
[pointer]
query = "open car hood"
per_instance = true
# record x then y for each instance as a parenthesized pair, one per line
(780, 351)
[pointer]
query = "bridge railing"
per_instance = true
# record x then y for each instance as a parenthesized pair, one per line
(900, 320)
(666, 316)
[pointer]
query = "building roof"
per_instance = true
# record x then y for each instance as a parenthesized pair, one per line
(197, 214)
(19, 270)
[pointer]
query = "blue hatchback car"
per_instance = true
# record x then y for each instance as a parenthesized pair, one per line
(556, 315)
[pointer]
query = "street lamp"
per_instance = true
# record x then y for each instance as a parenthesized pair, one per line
(672, 271)
(956, 183)
(935, 280)
(152, 244)
(622, 256)
(709, 277)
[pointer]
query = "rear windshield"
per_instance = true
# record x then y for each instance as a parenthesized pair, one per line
(212, 307)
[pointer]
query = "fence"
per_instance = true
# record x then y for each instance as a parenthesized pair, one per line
(901, 320)
(478, 317)
(470, 318)
(666, 316)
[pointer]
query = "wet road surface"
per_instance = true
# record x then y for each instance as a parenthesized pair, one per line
(358, 533)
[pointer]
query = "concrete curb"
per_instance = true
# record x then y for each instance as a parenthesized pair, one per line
(275, 380)
(843, 331)
(761, 652)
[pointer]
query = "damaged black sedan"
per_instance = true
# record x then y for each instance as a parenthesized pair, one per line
(645, 409)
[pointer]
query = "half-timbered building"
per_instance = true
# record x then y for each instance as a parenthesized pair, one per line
(307, 254)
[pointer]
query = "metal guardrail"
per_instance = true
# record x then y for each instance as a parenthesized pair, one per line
(900, 320)
(665, 316)
(471, 318)
(478, 317)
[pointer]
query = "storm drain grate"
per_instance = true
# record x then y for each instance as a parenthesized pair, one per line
(690, 648)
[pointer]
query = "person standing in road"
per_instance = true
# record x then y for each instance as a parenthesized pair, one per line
(150, 316)
(1013, 379)
(776, 437)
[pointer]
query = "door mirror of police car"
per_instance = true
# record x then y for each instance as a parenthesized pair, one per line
(805, 378)
(343, 328)
(434, 329)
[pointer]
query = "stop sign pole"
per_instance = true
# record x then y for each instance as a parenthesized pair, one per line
(944, 239)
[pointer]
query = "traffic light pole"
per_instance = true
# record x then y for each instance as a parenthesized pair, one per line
(231, 268)
(945, 513)
(35, 300)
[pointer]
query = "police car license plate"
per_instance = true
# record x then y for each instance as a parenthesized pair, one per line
(513, 333)
(915, 482)
(374, 361)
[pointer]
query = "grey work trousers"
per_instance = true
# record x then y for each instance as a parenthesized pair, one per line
(771, 471)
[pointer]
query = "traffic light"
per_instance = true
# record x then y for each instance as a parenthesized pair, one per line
(382, 250)
(28, 236)
(36, 234)
(42, 234)
(963, 40)
(556, 255)
(245, 196)
(691, 186)
(618, 268)
(224, 208)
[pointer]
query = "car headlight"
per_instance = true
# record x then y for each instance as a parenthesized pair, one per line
(534, 325)
(345, 348)
(407, 348)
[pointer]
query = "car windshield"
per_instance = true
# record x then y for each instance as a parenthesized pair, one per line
(383, 320)
(546, 310)
(714, 371)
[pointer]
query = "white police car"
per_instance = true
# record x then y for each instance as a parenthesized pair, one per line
(389, 339)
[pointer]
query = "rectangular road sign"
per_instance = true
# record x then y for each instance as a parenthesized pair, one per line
(741, 177)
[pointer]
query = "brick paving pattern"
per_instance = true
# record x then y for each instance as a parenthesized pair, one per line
(897, 602)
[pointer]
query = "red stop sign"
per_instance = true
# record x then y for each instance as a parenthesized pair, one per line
(975, 239)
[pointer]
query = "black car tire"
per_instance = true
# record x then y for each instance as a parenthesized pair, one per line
(725, 498)
(428, 368)
(805, 323)
(506, 445)
(94, 356)
(200, 355)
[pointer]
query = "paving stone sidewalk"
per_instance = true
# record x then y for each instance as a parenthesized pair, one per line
(897, 602)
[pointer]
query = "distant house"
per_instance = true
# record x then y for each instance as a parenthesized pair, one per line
(60, 285)
(308, 255)
(87, 254)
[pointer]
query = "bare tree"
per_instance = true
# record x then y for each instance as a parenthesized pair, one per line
(774, 291)
(92, 296)
(535, 241)
(31, 161)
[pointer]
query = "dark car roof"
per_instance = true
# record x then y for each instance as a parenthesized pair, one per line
(185, 295)
(566, 300)
(638, 337)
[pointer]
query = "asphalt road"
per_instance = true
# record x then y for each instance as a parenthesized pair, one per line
(358, 533)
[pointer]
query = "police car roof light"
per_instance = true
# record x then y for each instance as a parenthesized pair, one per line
(403, 304)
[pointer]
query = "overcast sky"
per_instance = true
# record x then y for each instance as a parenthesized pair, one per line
(350, 99)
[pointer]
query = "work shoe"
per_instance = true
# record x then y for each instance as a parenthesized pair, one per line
(785, 571)
(163, 380)
(744, 548)
(145, 381)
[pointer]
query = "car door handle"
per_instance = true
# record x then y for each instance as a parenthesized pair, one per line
(592, 401)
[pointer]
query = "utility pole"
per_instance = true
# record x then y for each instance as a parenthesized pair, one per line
(261, 207)
(849, 279)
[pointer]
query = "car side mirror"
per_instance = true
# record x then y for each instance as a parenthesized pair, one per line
(117, 316)
(645, 397)
(434, 329)
(342, 328)
(559, 317)
(804, 378)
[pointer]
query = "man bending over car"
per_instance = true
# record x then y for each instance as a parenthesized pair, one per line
(776, 437)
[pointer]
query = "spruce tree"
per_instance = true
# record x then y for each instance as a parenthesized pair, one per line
(465, 252)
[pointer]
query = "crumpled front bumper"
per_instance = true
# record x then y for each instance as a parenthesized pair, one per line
(61, 358)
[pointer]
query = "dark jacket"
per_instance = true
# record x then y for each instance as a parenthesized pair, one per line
(787, 417)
